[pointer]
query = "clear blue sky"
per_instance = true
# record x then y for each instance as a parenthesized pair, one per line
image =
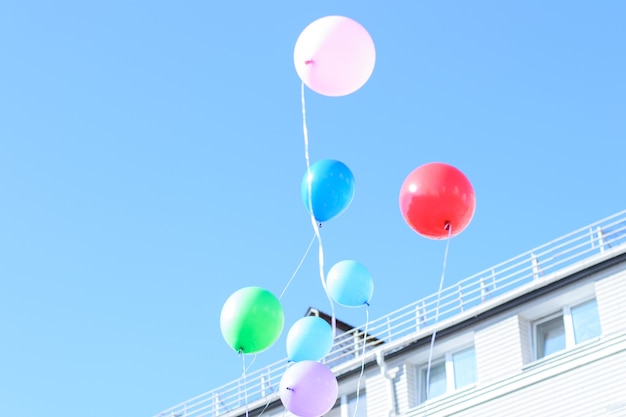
(151, 155)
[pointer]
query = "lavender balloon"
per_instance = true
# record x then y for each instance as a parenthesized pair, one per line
(308, 389)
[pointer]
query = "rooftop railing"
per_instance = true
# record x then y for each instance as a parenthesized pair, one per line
(582, 246)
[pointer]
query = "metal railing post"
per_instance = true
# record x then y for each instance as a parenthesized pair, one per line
(216, 404)
(483, 289)
(263, 383)
(600, 239)
(535, 264)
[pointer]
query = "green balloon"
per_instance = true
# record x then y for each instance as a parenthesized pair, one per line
(252, 319)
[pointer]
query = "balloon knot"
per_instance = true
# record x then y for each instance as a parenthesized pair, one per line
(447, 225)
(366, 303)
(240, 351)
(308, 62)
(319, 225)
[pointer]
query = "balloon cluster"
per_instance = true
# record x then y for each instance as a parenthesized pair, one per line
(309, 388)
(334, 56)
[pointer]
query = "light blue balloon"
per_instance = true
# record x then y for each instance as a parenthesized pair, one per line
(332, 189)
(309, 338)
(350, 284)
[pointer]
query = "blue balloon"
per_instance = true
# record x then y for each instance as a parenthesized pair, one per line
(332, 189)
(309, 338)
(350, 284)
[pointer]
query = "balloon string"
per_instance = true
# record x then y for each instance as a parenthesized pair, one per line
(316, 228)
(243, 377)
(265, 408)
(298, 267)
(432, 339)
(358, 384)
(323, 280)
(250, 364)
(267, 404)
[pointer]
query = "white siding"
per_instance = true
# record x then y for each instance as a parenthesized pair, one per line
(412, 386)
(377, 395)
(499, 349)
(525, 334)
(588, 390)
(403, 396)
(611, 297)
(587, 381)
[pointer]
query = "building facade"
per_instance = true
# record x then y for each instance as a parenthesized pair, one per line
(543, 334)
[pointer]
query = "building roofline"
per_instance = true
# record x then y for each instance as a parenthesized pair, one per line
(424, 339)
(546, 268)
(511, 304)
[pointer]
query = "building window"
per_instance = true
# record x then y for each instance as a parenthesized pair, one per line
(550, 336)
(356, 405)
(347, 405)
(336, 411)
(452, 372)
(438, 383)
(567, 328)
(464, 368)
(585, 321)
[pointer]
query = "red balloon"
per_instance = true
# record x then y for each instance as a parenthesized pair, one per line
(436, 196)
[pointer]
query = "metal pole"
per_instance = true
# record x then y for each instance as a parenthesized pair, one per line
(600, 239)
(535, 265)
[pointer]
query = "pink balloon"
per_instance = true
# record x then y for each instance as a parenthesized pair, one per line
(334, 56)
(308, 389)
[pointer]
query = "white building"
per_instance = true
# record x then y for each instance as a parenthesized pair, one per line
(543, 334)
